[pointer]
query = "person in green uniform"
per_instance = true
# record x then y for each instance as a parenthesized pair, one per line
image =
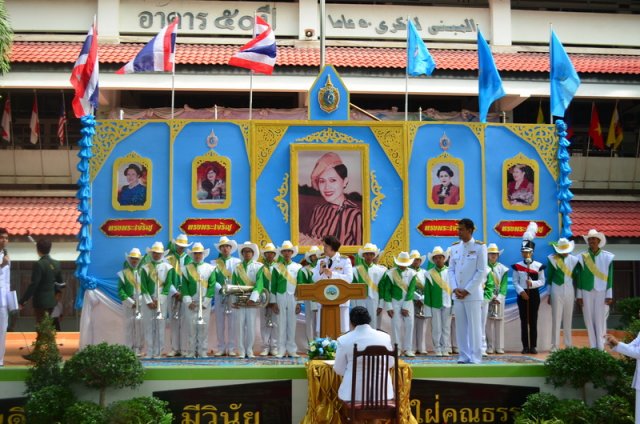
(46, 273)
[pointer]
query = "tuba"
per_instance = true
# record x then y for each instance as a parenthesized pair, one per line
(492, 313)
(241, 295)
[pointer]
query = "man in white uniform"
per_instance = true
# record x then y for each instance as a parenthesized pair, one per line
(439, 289)
(561, 270)
(364, 336)
(335, 266)
(225, 314)
(269, 322)
(5, 289)
(370, 274)
(467, 271)
(421, 302)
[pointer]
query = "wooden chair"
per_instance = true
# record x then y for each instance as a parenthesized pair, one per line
(372, 402)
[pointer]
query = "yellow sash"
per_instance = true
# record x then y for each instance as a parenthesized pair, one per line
(588, 261)
(193, 273)
(267, 272)
(242, 273)
(282, 269)
(435, 276)
(223, 268)
(364, 274)
(131, 277)
(562, 266)
(496, 280)
(397, 278)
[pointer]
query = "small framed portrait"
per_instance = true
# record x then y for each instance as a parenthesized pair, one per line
(445, 182)
(131, 183)
(520, 184)
(211, 182)
(330, 194)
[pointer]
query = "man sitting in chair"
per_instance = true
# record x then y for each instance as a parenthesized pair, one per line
(364, 336)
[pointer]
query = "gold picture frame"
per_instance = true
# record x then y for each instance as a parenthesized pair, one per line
(211, 181)
(132, 183)
(520, 183)
(443, 196)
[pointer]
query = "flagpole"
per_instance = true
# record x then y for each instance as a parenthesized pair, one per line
(406, 79)
(173, 87)
(323, 13)
(550, 64)
(255, 20)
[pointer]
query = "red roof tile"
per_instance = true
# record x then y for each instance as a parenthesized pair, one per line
(614, 219)
(42, 216)
(349, 57)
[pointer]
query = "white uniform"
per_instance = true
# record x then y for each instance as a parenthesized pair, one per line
(400, 335)
(179, 332)
(5, 289)
(562, 299)
(342, 269)
(154, 328)
(133, 328)
(495, 326)
(287, 307)
(467, 270)
(269, 335)
(364, 336)
(197, 335)
(420, 324)
(246, 317)
(225, 324)
(440, 317)
(632, 350)
(374, 274)
(310, 309)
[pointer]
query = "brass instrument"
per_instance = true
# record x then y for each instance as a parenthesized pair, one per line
(176, 308)
(269, 318)
(494, 304)
(136, 295)
(200, 320)
(158, 308)
(419, 311)
(241, 295)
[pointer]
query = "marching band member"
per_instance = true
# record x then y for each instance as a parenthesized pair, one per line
(268, 323)
(437, 285)
(286, 277)
(310, 307)
(178, 258)
(467, 270)
(336, 266)
(129, 292)
(158, 282)
(595, 287)
(488, 288)
(399, 286)
(198, 288)
(369, 273)
(225, 326)
(500, 276)
(421, 304)
(248, 273)
(562, 268)
(528, 277)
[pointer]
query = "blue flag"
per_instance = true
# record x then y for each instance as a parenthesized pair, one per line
(419, 60)
(489, 82)
(564, 78)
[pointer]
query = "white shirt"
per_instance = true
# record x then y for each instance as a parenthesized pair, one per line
(340, 268)
(204, 271)
(468, 268)
(632, 350)
(5, 282)
(520, 278)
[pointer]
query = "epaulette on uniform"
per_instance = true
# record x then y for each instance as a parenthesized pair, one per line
(479, 242)
(457, 242)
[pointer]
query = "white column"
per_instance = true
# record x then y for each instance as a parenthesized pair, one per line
(500, 14)
(109, 21)
(308, 19)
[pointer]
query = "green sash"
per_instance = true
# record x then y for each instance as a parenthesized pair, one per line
(364, 274)
(588, 261)
(559, 260)
(437, 278)
(397, 278)
(130, 276)
(242, 273)
(282, 269)
(223, 268)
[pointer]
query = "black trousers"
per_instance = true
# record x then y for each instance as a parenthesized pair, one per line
(529, 327)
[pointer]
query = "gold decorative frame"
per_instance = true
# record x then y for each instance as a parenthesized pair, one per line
(520, 159)
(363, 150)
(224, 161)
(119, 165)
(432, 166)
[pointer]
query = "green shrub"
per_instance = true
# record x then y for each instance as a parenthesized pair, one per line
(538, 407)
(103, 365)
(139, 410)
(628, 308)
(612, 410)
(575, 367)
(48, 404)
(46, 370)
(632, 330)
(84, 413)
(573, 411)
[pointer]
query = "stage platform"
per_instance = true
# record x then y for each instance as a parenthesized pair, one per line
(437, 383)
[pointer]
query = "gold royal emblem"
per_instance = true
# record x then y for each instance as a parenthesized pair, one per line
(328, 96)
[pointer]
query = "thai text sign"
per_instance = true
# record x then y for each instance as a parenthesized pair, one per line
(130, 227)
(210, 226)
(439, 227)
(517, 228)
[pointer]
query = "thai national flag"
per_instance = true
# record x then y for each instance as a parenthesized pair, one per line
(84, 76)
(259, 54)
(158, 55)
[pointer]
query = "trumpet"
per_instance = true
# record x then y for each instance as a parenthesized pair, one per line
(176, 309)
(242, 295)
(420, 304)
(200, 320)
(138, 313)
(136, 295)
(158, 308)
(269, 318)
(492, 313)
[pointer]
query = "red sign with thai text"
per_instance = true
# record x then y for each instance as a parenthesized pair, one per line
(517, 228)
(130, 227)
(210, 226)
(439, 227)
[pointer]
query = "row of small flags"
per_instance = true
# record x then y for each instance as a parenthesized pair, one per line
(34, 123)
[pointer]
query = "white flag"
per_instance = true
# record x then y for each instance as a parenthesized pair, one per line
(34, 125)
(6, 121)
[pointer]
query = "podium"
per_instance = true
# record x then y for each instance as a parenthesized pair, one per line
(331, 294)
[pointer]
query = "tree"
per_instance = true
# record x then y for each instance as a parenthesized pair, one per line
(102, 366)
(6, 39)
(47, 368)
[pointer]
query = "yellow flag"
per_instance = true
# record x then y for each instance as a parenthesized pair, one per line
(614, 138)
(540, 119)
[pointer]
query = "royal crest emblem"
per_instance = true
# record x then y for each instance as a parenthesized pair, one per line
(328, 96)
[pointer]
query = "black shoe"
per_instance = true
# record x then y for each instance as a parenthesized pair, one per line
(533, 350)
(525, 350)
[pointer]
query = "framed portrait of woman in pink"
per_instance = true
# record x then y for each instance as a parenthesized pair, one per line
(520, 184)
(445, 182)
(329, 194)
(211, 185)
